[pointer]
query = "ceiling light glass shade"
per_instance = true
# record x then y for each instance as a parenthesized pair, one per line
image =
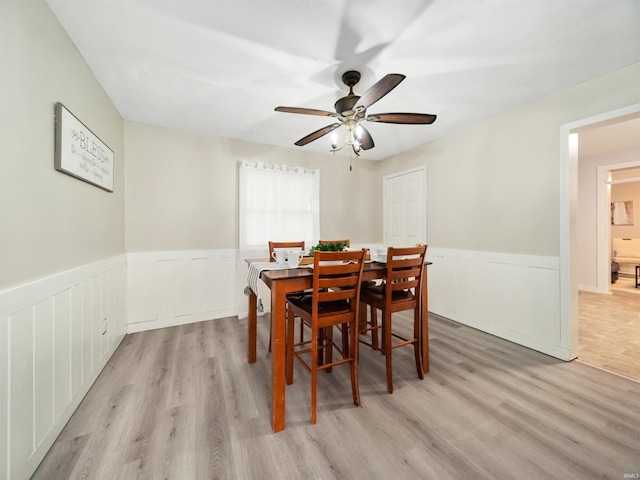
(352, 138)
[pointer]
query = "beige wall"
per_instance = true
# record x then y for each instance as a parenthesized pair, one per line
(587, 233)
(491, 187)
(622, 192)
(495, 186)
(182, 189)
(49, 221)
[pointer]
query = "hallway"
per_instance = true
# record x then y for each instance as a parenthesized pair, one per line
(609, 335)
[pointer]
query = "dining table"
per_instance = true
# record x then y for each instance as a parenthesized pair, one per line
(284, 281)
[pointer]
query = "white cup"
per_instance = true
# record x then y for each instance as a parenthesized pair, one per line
(280, 255)
(294, 257)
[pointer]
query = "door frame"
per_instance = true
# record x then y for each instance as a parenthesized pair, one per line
(385, 179)
(603, 224)
(568, 220)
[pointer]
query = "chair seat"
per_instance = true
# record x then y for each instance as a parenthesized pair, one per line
(377, 294)
(302, 294)
(305, 303)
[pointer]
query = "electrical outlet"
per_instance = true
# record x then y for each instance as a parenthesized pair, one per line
(104, 326)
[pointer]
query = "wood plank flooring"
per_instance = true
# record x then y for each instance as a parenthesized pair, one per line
(182, 403)
(609, 329)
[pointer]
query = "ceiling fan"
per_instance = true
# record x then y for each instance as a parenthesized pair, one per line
(351, 111)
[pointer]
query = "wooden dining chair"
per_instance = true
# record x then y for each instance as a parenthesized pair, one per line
(272, 247)
(334, 302)
(400, 291)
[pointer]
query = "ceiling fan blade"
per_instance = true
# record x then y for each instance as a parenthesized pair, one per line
(317, 134)
(379, 90)
(366, 142)
(306, 111)
(404, 118)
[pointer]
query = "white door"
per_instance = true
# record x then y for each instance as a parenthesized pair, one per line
(405, 208)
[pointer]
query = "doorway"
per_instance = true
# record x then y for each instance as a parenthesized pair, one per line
(611, 180)
(569, 323)
(607, 319)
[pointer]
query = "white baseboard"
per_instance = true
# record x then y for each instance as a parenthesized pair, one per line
(176, 321)
(592, 289)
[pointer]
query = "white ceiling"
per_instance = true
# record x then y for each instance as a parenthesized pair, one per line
(220, 67)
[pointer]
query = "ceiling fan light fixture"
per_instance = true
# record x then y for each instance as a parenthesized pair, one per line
(351, 109)
(352, 138)
(334, 140)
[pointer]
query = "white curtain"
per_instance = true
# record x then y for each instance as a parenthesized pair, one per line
(278, 203)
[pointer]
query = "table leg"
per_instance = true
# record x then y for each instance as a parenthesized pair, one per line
(252, 323)
(424, 307)
(278, 335)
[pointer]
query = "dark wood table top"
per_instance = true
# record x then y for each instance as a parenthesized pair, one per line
(305, 271)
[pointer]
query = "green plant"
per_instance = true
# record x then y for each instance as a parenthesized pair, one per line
(328, 247)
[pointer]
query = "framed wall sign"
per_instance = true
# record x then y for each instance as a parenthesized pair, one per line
(80, 153)
(622, 213)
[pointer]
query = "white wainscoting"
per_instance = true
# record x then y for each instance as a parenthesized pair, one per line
(52, 348)
(175, 288)
(516, 297)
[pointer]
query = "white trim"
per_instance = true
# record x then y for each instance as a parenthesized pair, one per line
(625, 180)
(176, 321)
(175, 254)
(603, 230)
(568, 212)
(23, 296)
(603, 193)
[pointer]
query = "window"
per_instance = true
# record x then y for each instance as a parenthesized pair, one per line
(278, 203)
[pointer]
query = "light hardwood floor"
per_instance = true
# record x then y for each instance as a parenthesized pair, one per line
(609, 335)
(182, 403)
(626, 283)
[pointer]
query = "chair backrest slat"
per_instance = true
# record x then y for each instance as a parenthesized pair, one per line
(334, 295)
(334, 281)
(404, 270)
